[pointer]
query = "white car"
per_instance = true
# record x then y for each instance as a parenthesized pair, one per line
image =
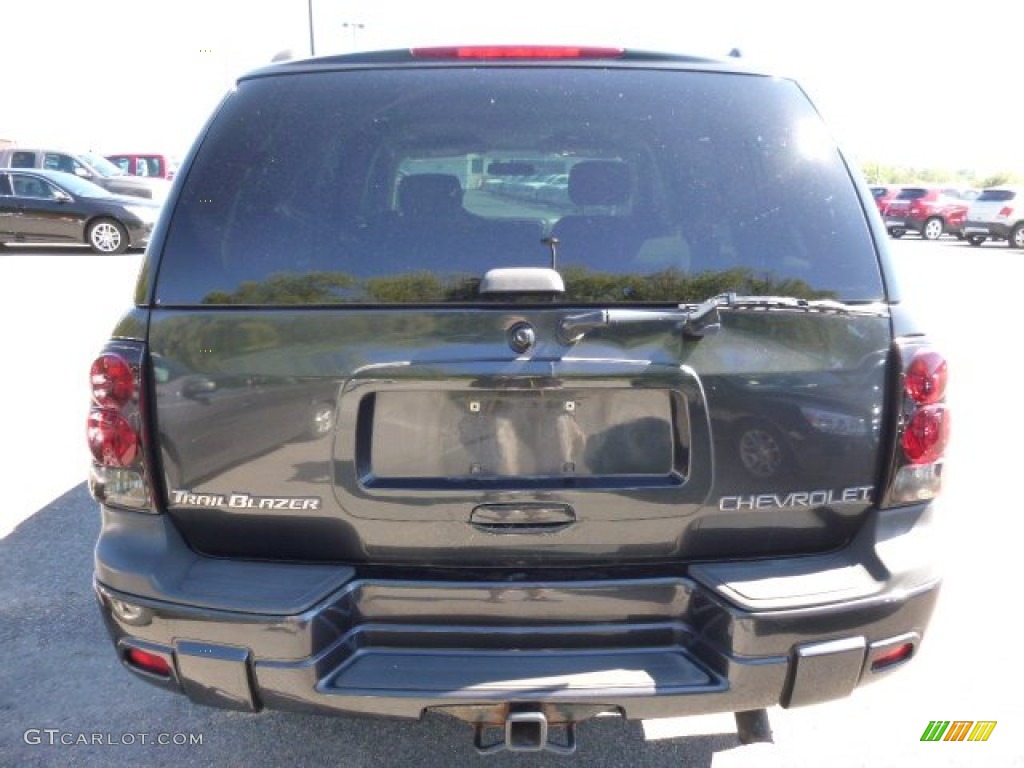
(997, 214)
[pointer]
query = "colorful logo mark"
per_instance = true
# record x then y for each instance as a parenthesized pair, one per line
(958, 730)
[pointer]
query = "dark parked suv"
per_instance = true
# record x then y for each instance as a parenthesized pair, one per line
(378, 437)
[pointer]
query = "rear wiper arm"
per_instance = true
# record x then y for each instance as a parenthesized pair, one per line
(693, 320)
(698, 320)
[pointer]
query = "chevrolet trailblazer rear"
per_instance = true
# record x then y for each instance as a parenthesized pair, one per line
(522, 385)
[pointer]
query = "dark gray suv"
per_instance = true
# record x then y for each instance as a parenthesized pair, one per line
(522, 385)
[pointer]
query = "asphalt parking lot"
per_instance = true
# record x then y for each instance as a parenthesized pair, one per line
(65, 701)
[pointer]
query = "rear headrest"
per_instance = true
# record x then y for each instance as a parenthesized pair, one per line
(600, 182)
(430, 194)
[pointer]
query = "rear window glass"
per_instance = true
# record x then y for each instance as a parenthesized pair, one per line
(911, 193)
(407, 185)
(996, 196)
(23, 160)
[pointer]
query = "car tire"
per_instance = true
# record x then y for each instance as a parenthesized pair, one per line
(1016, 238)
(976, 240)
(932, 229)
(107, 236)
(897, 233)
(761, 451)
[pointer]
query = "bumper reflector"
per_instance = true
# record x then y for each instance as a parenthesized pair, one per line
(148, 662)
(892, 656)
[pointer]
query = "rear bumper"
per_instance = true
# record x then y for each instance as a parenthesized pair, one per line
(713, 638)
(907, 223)
(994, 229)
(139, 234)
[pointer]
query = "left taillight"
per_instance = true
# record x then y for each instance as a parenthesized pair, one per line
(922, 427)
(114, 429)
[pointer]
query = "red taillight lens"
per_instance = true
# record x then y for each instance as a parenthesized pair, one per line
(115, 429)
(1005, 212)
(148, 662)
(926, 434)
(112, 440)
(926, 425)
(112, 380)
(921, 425)
(517, 52)
(926, 376)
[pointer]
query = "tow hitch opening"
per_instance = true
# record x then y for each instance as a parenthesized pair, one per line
(525, 731)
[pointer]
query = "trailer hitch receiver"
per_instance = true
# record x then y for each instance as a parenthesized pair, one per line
(526, 731)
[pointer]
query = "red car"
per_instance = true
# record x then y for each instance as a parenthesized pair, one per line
(930, 211)
(884, 194)
(160, 166)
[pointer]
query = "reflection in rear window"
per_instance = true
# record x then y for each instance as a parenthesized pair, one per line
(23, 160)
(996, 196)
(406, 186)
(911, 193)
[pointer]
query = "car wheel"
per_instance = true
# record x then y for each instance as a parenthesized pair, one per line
(107, 236)
(761, 451)
(932, 229)
(975, 239)
(897, 233)
(1016, 239)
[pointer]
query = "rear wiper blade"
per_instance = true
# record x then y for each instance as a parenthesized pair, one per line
(736, 301)
(699, 320)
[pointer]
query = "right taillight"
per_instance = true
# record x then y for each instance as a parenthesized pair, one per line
(114, 429)
(922, 424)
(924, 378)
(926, 434)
